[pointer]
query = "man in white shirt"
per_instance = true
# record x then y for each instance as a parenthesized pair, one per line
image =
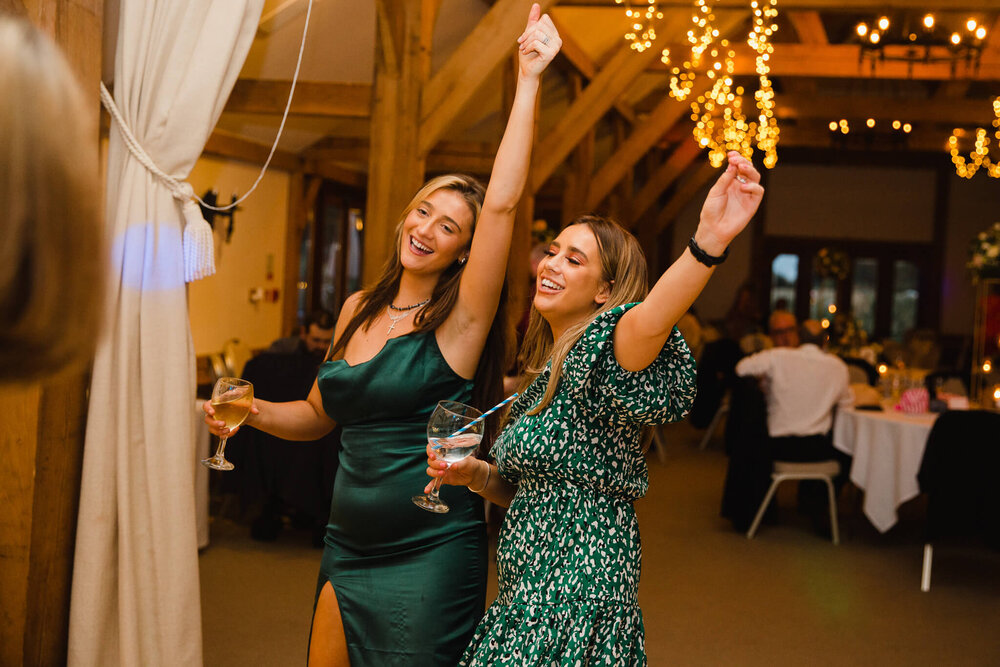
(802, 385)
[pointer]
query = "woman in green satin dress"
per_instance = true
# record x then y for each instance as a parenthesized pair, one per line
(414, 338)
(604, 359)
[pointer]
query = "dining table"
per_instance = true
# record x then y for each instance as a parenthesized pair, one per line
(887, 447)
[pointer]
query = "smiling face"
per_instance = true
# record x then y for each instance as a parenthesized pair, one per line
(570, 283)
(436, 233)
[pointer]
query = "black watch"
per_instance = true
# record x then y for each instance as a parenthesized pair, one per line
(704, 257)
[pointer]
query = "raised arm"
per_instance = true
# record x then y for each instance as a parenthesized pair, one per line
(730, 204)
(482, 281)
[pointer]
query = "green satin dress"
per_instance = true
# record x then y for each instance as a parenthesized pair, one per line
(411, 584)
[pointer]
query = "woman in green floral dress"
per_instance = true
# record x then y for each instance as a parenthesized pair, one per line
(604, 359)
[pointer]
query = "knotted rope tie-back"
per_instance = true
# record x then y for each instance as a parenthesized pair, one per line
(198, 241)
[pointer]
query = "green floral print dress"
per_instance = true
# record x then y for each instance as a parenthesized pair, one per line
(569, 554)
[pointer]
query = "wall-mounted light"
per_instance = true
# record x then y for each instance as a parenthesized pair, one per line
(211, 198)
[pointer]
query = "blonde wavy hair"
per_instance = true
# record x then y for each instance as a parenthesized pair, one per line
(51, 244)
(623, 266)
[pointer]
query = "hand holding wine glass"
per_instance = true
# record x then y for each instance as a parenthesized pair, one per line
(453, 434)
(232, 400)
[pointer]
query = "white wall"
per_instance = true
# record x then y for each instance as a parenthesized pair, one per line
(219, 306)
(870, 203)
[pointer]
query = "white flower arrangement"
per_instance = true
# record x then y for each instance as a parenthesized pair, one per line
(984, 254)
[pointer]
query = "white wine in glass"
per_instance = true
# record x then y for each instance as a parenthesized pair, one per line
(449, 446)
(231, 400)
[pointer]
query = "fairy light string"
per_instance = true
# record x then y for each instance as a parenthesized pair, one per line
(720, 122)
(979, 158)
(641, 34)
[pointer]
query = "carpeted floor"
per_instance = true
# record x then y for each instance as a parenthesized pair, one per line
(709, 595)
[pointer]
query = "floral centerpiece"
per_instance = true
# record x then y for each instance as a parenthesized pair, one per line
(984, 254)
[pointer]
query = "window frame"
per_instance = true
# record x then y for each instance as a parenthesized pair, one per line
(922, 255)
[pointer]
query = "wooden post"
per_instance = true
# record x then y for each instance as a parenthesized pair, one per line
(395, 165)
(42, 428)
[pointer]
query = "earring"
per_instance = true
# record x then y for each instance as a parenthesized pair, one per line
(462, 260)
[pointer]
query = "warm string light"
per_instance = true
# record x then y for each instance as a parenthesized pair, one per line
(682, 80)
(641, 34)
(979, 158)
(760, 40)
(844, 126)
(720, 124)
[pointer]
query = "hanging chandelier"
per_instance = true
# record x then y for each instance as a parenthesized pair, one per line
(925, 40)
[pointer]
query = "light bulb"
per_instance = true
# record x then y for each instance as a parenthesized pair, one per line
(862, 29)
(929, 21)
(883, 23)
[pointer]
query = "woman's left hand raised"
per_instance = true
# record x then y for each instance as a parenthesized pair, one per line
(730, 204)
(538, 44)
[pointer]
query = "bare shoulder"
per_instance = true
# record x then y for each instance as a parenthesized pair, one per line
(351, 306)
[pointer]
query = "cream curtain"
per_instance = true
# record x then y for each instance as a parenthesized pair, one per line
(135, 597)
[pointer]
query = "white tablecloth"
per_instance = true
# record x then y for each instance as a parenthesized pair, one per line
(887, 448)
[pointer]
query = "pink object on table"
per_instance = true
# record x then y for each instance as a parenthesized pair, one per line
(914, 400)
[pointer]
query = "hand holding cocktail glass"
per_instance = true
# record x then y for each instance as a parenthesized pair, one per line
(231, 403)
(453, 434)
(451, 454)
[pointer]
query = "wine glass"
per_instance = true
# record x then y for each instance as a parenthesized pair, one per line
(231, 400)
(449, 446)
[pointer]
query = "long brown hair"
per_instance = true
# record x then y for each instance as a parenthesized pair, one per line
(488, 380)
(623, 266)
(52, 245)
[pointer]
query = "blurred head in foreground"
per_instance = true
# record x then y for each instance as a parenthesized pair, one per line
(52, 252)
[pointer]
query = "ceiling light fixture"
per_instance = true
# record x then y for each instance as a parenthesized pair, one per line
(925, 40)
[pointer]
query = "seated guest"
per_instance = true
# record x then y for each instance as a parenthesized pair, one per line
(802, 386)
(783, 329)
(314, 336)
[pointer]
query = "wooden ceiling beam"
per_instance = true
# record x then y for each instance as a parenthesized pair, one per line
(818, 136)
(809, 27)
(662, 178)
(643, 138)
(233, 147)
(943, 111)
(844, 61)
(613, 79)
(268, 96)
(448, 91)
(579, 59)
(448, 156)
(862, 6)
(691, 185)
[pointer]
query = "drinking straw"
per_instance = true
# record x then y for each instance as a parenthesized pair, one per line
(485, 414)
